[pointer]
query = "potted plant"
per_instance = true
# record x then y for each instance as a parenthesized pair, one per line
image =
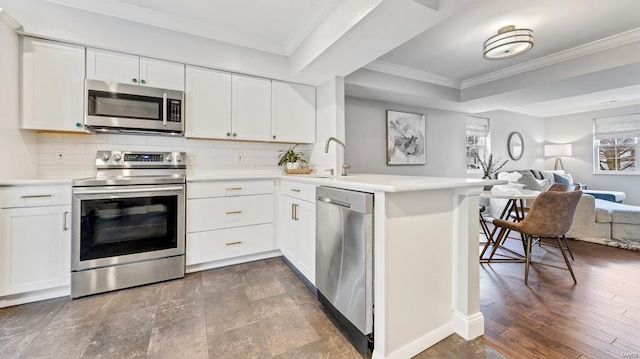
(291, 158)
(489, 167)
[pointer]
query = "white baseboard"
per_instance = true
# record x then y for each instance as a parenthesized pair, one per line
(36, 296)
(419, 345)
(468, 327)
(231, 261)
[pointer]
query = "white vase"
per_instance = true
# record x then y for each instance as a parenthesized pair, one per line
(293, 165)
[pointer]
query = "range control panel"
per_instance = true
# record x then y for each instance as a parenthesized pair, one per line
(125, 159)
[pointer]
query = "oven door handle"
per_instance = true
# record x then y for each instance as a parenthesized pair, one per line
(129, 190)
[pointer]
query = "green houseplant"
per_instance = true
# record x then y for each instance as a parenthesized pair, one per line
(291, 158)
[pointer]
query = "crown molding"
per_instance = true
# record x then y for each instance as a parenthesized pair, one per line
(9, 21)
(407, 72)
(301, 32)
(145, 16)
(569, 54)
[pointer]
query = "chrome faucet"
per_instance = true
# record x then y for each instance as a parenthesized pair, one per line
(345, 166)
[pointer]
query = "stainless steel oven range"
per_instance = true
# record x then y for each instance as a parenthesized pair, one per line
(128, 223)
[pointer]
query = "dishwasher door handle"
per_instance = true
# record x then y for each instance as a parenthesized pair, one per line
(333, 201)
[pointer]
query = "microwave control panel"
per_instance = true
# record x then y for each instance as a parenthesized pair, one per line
(174, 110)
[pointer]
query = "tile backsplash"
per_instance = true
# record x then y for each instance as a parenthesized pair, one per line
(204, 157)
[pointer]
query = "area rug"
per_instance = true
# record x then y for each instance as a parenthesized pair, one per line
(630, 244)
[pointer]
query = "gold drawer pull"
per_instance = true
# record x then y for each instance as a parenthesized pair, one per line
(234, 212)
(234, 188)
(295, 190)
(232, 243)
(37, 196)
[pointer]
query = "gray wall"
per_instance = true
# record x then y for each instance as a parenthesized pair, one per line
(577, 129)
(365, 122)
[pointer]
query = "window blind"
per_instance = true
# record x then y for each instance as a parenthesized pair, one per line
(477, 126)
(616, 127)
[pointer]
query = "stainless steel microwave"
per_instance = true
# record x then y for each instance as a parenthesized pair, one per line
(122, 108)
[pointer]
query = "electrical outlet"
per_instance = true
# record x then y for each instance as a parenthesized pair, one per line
(240, 157)
(60, 155)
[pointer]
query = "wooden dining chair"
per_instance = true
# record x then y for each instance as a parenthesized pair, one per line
(561, 187)
(550, 216)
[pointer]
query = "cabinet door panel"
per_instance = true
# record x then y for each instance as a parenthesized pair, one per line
(251, 108)
(306, 222)
(35, 249)
(112, 66)
(52, 86)
(288, 230)
(161, 74)
(208, 103)
(293, 117)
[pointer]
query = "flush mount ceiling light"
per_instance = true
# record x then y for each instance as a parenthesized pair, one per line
(507, 43)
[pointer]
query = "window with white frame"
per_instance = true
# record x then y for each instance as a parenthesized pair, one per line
(477, 142)
(615, 144)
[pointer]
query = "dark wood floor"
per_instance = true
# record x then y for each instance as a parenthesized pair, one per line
(553, 318)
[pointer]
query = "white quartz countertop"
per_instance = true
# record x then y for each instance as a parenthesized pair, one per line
(366, 182)
(36, 182)
(357, 182)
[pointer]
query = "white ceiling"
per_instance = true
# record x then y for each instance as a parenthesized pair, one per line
(450, 53)
(276, 26)
(566, 71)
(453, 48)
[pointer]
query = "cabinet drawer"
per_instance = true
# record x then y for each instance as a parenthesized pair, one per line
(18, 197)
(303, 191)
(224, 212)
(228, 189)
(210, 246)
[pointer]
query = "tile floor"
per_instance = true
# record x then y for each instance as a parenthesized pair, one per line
(253, 310)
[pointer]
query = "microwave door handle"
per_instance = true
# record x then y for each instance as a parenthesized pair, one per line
(164, 109)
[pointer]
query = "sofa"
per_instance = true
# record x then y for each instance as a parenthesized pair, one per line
(596, 220)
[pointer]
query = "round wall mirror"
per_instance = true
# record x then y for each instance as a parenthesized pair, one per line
(515, 145)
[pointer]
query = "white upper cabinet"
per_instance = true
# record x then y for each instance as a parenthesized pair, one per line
(293, 113)
(52, 86)
(251, 108)
(162, 74)
(208, 103)
(130, 69)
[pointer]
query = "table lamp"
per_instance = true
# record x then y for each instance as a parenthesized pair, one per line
(557, 151)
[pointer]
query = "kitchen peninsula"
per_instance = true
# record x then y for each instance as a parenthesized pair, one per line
(426, 284)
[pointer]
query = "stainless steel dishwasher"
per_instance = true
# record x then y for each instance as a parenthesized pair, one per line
(344, 260)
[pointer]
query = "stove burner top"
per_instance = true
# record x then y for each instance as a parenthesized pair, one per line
(122, 168)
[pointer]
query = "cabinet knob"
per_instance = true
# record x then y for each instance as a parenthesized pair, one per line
(143, 82)
(135, 81)
(228, 134)
(78, 125)
(234, 134)
(274, 137)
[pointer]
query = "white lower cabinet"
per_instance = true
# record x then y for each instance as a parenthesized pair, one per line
(297, 223)
(35, 242)
(228, 219)
(208, 246)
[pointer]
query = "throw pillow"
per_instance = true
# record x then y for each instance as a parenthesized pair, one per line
(544, 183)
(530, 182)
(564, 179)
(549, 174)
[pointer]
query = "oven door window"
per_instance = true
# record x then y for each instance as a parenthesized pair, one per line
(122, 226)
(108, 104)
